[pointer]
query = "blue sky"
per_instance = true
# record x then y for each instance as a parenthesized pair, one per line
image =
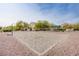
(55, 13)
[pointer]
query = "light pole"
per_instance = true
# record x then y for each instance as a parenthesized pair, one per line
(12, 29)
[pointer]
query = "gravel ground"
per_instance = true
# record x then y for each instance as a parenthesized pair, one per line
(68, 47)
(9, 46)
(40, 41)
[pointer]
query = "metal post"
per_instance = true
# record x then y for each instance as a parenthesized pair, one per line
(12, 29)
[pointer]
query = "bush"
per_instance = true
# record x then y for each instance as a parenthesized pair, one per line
(7, 29)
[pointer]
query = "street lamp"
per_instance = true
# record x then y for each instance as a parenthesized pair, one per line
(12, 29)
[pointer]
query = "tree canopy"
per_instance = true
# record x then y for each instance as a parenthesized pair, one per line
(21, 25)
(67, 26)
(42, 25)
(39, 25)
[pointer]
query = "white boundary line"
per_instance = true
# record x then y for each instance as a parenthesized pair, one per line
(52, 46)
(48, 49)
(26, 45)
(39, 54)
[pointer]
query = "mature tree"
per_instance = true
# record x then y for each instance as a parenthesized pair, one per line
(0, 28)
(67, 26)
(76, 26)
(32, 26)
(21, 25)
(42, 25)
